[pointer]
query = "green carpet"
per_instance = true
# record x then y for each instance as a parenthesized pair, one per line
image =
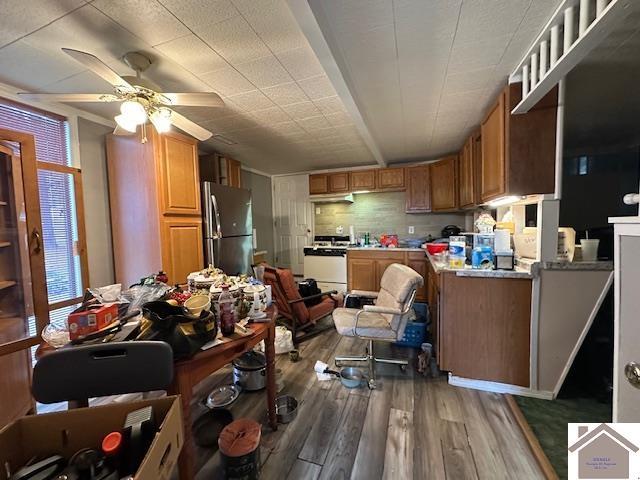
(549, 419)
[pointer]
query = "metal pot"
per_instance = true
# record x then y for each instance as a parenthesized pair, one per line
(249, 371)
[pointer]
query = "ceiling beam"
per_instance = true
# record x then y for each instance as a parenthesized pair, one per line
(309, 25)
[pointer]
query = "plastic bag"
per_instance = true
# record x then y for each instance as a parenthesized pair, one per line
(283, 341)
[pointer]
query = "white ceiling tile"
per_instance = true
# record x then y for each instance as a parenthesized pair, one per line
(421, 23)
(465, 81)
(313, 123)
(20, 18)
(301, 110)
(317, 87)
(477, 54)
(330, 105)
(192, 53)
(229, 123)
(21, 65)
(265, 72)
(147, 19)
(270, 115)
(300, 62)
(480, 19)
(227, 81)
(254, 100)
(373, 46)
(234, 39)
(89, 30)
(338, 119)
(355, 15)
(273, 22)
(197, 14)
(285, 94)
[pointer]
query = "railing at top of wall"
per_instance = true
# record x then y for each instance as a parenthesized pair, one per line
(576, 27)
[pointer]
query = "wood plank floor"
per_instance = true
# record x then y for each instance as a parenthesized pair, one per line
(410, 427)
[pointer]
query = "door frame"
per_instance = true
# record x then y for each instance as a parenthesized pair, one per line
(34, 226)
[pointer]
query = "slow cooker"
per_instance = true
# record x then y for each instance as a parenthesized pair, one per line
(249, 371)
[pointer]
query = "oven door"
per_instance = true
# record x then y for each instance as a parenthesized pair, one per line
(329, 269)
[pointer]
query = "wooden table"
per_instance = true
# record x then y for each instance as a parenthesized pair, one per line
(188, 373)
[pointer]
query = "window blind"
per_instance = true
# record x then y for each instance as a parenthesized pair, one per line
(50, 131)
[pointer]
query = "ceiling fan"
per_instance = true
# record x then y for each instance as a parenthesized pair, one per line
(141, 99)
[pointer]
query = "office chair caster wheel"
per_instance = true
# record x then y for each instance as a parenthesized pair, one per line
(403, 368)
(372, 384)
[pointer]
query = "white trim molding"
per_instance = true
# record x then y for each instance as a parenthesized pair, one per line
(498, 387)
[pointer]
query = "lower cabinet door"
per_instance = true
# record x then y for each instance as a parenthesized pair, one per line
(361, 274)
(420, 266)
(182, 247)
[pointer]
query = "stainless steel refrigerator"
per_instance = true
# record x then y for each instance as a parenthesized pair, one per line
(228, 228)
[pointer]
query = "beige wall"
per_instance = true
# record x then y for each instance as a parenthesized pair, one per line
(93, 161)
(379, 213)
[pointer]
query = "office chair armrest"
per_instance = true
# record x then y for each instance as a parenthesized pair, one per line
(363, 293)
(377, 309)
(311, 297)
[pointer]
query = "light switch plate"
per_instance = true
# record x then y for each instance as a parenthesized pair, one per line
(318, 211)
(412, 230)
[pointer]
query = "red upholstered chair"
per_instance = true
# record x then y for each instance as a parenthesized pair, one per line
(296, 316)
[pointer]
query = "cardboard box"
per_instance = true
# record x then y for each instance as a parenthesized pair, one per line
(83, 321)
(64, 433)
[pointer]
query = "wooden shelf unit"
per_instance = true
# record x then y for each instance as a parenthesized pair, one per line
(7, 284)
(5, 244)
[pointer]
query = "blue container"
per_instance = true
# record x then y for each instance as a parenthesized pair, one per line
(415, 333)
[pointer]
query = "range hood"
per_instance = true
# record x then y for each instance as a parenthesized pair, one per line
(332, 198)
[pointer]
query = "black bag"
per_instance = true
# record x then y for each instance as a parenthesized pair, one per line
(309, 287)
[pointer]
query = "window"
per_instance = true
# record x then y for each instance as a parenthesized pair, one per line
(60, 190)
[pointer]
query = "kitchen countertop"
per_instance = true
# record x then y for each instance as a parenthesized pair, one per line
(386, 249)
(519, 272)
(536, 266)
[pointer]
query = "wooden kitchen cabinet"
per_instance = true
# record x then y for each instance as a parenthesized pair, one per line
(418, 195)
(433, 300)
(484, 328)
(363, 180)
(154, 194)
(467, 174)
(318, 183)
(366, 267)
(339, 182)
(230, 172)
(444, 184)
(390, 178)
(518, 151)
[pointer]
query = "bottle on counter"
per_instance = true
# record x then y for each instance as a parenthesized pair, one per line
(457, 252)
(226, 312)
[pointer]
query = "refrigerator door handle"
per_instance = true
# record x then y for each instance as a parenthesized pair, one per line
(211, 251)
(216, 217)
(216, 261)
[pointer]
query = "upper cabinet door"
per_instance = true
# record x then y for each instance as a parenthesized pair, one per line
(391, 178)
(339, 182)
(493, 161)
(179, 174)
(444, 185)
(466, 175)
(318, 184)
(418, 197)
(363, 180)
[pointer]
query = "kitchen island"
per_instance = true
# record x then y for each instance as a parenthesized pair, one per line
(509, 331)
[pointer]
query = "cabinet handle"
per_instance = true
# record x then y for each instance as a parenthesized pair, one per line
(36, 236)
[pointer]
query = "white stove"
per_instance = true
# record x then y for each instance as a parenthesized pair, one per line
(326, 262)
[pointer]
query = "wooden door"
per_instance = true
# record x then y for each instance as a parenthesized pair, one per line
(182, 247)
(318, 183)
(493, 160)
(390, 178)
(466, 176)
(444, 186)
(293, 214)
(15, 381)
(418, 262)
(363, 180)
(179, 176)
(418, 196)
(234, 173)
(339, 182)
(361, 274)
(476, 154)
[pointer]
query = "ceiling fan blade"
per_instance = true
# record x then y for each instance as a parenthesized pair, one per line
(121, 131)
(70, 97)
(193, 129)
(98, 67)
(196, 99)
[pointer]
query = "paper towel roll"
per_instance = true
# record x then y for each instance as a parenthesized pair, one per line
(502, 241)
(352, 234)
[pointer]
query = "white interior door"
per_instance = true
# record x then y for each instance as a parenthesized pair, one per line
(292, 212)
(626, 373)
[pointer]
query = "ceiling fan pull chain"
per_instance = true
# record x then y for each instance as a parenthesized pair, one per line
(144, 133)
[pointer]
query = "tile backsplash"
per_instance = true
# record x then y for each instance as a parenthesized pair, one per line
(379, 213)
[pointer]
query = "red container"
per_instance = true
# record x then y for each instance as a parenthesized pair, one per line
(434, 248)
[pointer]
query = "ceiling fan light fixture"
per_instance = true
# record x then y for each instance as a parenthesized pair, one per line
(125, 123)
(161, 119)
(134, 112)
